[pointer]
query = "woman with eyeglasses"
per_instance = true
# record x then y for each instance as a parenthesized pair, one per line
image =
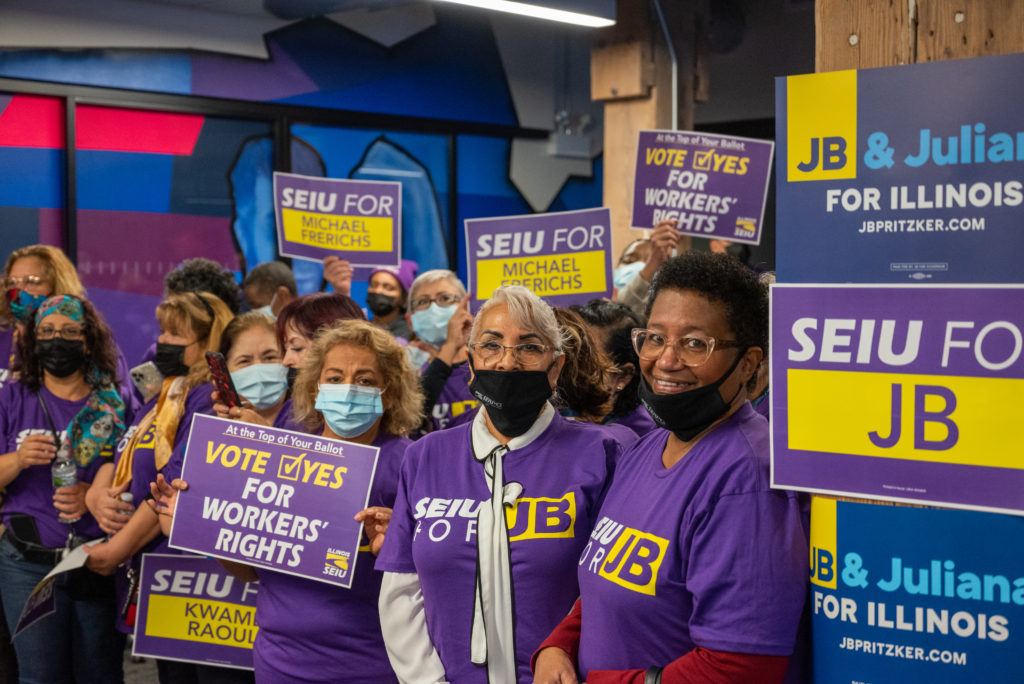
(440, 318)
(480, 556)
(191, 323)
(698, 569)
(65, 405)
(355, 384)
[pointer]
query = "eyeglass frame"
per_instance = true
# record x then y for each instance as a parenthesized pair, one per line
(515, 348)
(713, 346)
(16, 282)
(432, 300)
(58, 332)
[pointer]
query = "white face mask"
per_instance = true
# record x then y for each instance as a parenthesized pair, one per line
(624, 274)
(269, 308)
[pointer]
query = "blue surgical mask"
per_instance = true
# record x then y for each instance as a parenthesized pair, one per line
(417, 357)
(624, 274)
(263, 384)
(349, 410)
(23, 305)
(269, 308)
(431, 324)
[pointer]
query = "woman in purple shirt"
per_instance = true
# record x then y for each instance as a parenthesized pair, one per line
(696, 569)
(65, 405)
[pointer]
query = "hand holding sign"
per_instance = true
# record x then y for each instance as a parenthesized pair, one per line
(338, 273)
(165, 498)
(664, 241)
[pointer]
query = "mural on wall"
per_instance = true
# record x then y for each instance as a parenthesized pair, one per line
(152, 186)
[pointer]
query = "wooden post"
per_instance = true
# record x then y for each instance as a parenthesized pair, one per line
(631, 72)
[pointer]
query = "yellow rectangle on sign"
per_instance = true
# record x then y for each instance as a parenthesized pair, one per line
(836, 412)
(821, 130)
(824, 545)
(546, 275)
(202, 620)
(351, 233)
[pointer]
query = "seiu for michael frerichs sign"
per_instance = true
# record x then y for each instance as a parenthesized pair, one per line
(906, 393)
(902, 174)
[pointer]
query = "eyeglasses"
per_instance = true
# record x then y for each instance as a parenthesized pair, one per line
(443, 299)
(20, 281)
(527, 354)
(691, 350)
(68, 332)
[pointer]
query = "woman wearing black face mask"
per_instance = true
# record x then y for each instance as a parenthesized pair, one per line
(715, 581)
(190, 324)
(65, 405)
(386, 297)
(452, 564)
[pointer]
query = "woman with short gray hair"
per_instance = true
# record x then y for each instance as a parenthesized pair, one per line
(452, 565)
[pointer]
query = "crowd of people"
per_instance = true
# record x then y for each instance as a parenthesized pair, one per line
(601, 472)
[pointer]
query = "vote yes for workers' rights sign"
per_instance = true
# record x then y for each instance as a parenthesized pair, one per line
(906, 393)
(273, 498)
(564, 257)
(356, 220)
(191, 609)
(714, 186)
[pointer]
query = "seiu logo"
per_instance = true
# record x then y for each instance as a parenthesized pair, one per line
(624, 555)
(831, 157)
(542, 518)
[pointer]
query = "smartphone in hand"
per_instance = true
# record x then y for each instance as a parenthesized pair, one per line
(147, 379)
(226, 392)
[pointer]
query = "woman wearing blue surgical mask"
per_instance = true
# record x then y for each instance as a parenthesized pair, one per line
(253, 356)
(439, 316)
(355, 384)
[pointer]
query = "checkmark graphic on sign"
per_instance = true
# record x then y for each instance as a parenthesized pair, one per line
(289, 467)
(702, 160)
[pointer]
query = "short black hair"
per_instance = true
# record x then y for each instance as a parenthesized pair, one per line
(720, 278)
(204, 275)
(269, 276)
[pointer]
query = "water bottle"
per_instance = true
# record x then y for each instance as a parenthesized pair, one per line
(65, 474)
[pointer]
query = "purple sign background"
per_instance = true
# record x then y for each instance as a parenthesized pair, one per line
(203, 611)
(273, 498)
(955, 331)
(564, 257)
(40, 604)
(358, 205)
(715, 186)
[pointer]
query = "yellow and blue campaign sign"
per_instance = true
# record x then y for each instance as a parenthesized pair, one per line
(895, 175)
(564, 257)
(904, 594)
(905, 393)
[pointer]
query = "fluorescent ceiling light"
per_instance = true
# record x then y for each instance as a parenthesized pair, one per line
(529, 10)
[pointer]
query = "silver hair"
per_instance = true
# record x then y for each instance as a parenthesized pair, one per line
(526, 310)
(434, 276)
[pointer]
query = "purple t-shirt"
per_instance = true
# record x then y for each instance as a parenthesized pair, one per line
(638, 420)
(433, 532)
(455, 399)
(316, 632)
(700, 554)
(763, 405)
(286, 418)
(31, 491)
(6, 353)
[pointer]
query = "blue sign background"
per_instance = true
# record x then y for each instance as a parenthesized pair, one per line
(815, 245)
(878, 534)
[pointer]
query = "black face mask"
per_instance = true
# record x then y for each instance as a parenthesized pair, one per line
(513, 398)
(170, 359)
(691, 412)
(291, 375)
(380, 304)
(60, 357)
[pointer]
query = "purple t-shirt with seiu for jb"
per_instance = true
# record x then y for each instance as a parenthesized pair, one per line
(31, 492)
(433, 532)
(316, 632)
(704, 553)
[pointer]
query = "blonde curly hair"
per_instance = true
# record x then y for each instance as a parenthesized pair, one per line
(401, 393)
